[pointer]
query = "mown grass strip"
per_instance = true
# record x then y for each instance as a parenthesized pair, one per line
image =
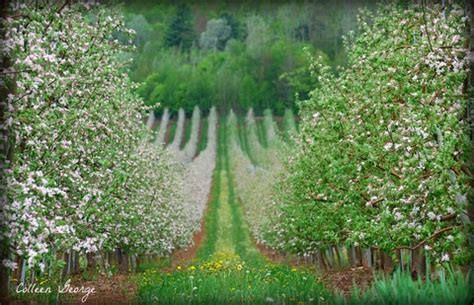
(172, 130)
(241, 236)
(203, 135)
(261, 133)
(187, 133)
(244, 143)
(211, 217)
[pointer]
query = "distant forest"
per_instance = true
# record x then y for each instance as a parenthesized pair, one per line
(235, 55)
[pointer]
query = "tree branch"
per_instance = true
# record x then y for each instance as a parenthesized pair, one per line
(58, 12)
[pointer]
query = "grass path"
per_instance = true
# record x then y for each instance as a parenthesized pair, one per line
(229, 269)
(224, 242)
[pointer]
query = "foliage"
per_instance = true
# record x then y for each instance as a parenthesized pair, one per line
(180, 34)
(379, 156)
(243, 59)
(216, 35)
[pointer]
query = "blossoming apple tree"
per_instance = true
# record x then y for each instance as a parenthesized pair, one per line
(83, 176)
(380, 155)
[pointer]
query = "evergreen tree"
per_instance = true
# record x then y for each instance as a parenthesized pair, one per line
(180, 33)
(237, 32)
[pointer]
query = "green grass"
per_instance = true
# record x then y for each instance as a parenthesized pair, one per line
(172, 130)
(153, 264)
(261, 133)
(225, 241)
(450, 288)
(210, 219)
(203, 141)
(242, 129)
(241, 232)
(187, 133)
(229, 280)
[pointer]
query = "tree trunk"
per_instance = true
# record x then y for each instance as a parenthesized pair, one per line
(110, 259)
(67, 266)
(379, 259)
(122, 260)
(76, 268)
(330, 258)
(324, 266)
(400, 259)
(91, 261)
(367, 258)
(351, 256)
(338, 256)
(386, 261)
(24, 268)
(358, 256)
(418, 267)
(469, 87)
(6, 87)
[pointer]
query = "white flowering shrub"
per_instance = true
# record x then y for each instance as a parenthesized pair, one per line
(379, 159)
(82, 177)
